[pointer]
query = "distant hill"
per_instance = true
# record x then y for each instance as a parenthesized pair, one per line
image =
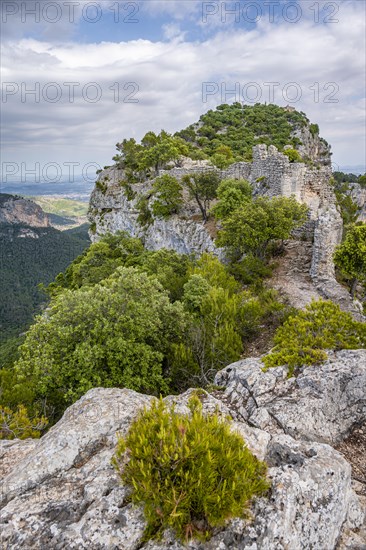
(62, 212)
(31, 252)
(61, 206)
(79, 189)
(18, 210)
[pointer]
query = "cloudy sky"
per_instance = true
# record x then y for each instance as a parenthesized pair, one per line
(79, 76)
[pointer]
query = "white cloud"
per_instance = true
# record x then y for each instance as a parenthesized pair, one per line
(169, 76)
(172, 30)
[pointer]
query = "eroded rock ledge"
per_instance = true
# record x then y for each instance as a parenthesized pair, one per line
(61, 491)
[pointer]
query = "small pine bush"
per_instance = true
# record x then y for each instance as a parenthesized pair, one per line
(304, 337)
(18, 425)
(191, 473)
(293, 155)
(129, 193)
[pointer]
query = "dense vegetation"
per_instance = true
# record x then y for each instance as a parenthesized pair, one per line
(156, 322)
(350, 257)
(239, 127)
(141, 161)
(27, 261)
(123, 316)
(306, 336)
(190, 473)
(223, 136)
(255, 224)
(161, 322)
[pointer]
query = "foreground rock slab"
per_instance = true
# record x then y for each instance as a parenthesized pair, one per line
(322, 404)
(62, 492)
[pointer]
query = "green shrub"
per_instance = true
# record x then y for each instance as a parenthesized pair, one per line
(252, 227)
(220, 322)
(102, 185)
(145, 216)
(128, 191)
(293, 155)
(170, 269)
(250, 270)
(231, 194)
(350, 256)
(215, 273)
(113, 334)
(314, 129)
(191, 473)
(223, 157)
(18, 425)
(168, 196)
(304, 337)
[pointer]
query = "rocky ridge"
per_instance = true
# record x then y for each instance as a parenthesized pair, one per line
(61, 491)
(16, 210)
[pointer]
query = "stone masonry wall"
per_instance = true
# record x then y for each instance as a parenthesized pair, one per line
(271, 174)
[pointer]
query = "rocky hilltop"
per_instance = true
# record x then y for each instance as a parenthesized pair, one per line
(62, 492)
(16, 210)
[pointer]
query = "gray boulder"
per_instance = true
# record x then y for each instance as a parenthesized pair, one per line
(322, 404)
(62, 492)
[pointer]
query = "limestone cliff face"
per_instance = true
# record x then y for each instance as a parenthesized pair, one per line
(111, 211)
(271, 174)
(16, 210)
(358, 195)
(313, 147)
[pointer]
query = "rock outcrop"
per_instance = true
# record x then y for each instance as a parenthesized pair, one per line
(271, 174)
(111, 211)
(323, 403)
(312, 146)
(62, 492)
(358, 195)
(16, 210)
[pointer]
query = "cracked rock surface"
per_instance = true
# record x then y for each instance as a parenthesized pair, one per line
(322, 404)
(62, 492)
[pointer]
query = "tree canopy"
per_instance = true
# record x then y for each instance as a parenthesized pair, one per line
(251, 227)
(153, 153)
(113, 334)
(168, 198)
(350, 256)
(202, 187)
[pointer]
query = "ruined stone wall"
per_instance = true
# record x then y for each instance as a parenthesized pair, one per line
(271, 174)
